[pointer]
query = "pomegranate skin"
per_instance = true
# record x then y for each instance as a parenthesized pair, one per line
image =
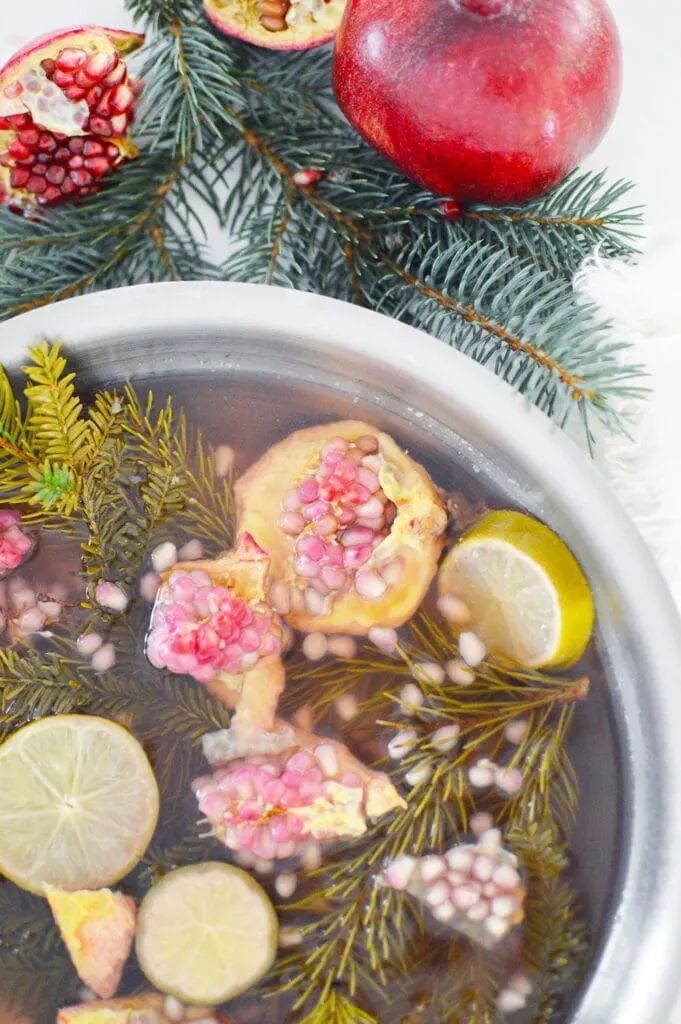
(490, 101)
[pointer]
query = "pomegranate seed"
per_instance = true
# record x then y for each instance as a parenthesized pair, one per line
(112, 151)
(29, 136)
(68, 187)
(122, 98)
(76, 144)
(18, 150)
(39, 169)
(50, 195)
(114, 77)
(49, 66)
(119, 124)
(62, 154)
(70, 59)
(18, 177)
(76, 162)
(80, 177)
(56, 174)
(94, 96)
(13, 90)
(100, 126)
(104, 106)
(99, 165)
(47, 143)
(307, 178)
(44, 158)
(6, 160)
(19, 120)
(62, 78)
(4, 124)
(450, 209)
(98, 65)
(36, 184)
(75, 93)
(81, 80)
(93, 148)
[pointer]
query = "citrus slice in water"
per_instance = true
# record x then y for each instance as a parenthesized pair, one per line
(78, 803)
(206, 933)
(528, 598)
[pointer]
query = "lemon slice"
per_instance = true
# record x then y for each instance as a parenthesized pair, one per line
(529, 600)
(206, 933)
(78, 803)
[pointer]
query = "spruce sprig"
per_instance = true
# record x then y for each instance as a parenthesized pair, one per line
(496, 283)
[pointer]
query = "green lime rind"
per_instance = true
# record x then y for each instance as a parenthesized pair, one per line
(206, 933)
(49, 771)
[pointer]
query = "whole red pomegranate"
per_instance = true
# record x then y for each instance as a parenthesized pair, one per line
(481, 100)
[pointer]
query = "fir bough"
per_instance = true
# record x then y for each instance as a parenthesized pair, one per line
(496, 283)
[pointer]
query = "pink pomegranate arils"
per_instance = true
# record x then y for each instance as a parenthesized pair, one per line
(339, 515)
(72, 88)
(56, 174)
(114, 77)
(100, 126)
(122, 98)
(19, 176)
(36, 184)
(70, 59)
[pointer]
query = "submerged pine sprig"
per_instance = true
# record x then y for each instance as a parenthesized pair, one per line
(495, 283)
(350, 922)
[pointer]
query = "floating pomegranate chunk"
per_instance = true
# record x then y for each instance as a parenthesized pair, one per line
(474, 889)
(15, 545)
(273, 805)
(278, 24)
(211, 622)
(66, 106)
(353, 526)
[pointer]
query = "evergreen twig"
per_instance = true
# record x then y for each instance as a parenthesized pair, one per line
(495, 283)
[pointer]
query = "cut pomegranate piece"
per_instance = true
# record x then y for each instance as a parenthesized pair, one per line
(278, 24)
(273, 803)
(52, 90)
(353, 526)
(211, 622)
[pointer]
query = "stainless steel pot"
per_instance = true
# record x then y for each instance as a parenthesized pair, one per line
(351, 355)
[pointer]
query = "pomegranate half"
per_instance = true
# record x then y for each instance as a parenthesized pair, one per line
(353, 527)
(489, 101)
(66, 106)
(278, 24)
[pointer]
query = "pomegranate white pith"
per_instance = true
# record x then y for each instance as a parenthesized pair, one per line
(66, 106)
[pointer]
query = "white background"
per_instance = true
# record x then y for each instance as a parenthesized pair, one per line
(643, 145)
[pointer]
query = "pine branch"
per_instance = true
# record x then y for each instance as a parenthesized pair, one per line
(337, 1009)
(37, 974)
(495, 283)
(491, 303)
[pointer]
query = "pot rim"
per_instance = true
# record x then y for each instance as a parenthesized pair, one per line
(636, 979)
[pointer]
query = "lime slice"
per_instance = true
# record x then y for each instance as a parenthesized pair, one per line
(206, 933)
(78, 803)
(529, 600)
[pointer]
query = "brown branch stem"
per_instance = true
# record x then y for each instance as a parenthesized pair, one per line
(524, 218)
(360, 236)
